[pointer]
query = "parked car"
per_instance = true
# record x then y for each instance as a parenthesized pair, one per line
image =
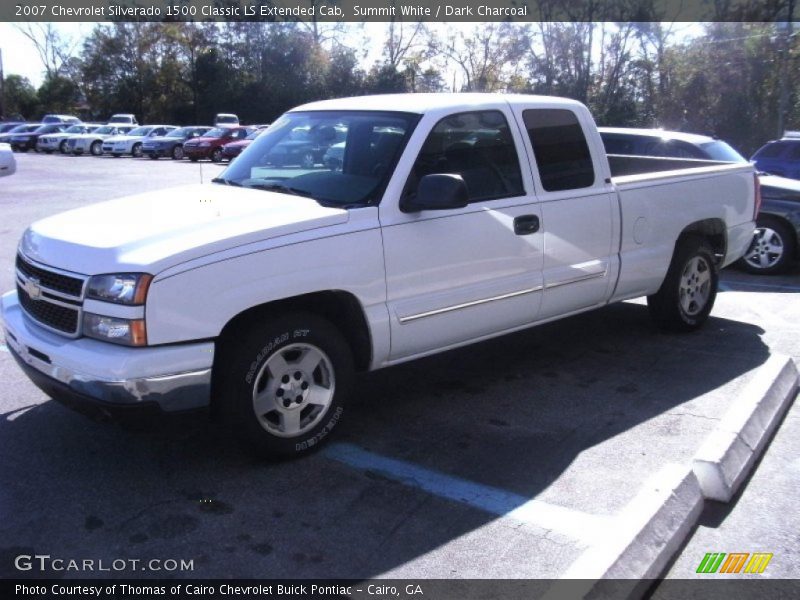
(777, 235)
(7, 126)
(280, 283)
(233, 149)
(17, 129)
(131, 142)
(304, 147)
(123, 119)
(22, 142)
(780, 157)
(8, 164)
(226, 120)
(60, 119)
(92, 143)
(171, 144)
(210, 144)
(49, 143)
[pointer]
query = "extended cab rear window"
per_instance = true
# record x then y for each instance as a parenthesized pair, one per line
(560, 148)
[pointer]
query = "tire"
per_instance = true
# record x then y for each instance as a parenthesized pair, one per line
(281, 382)
(62, 147)
(136, 151)
(773, 247)
(216, 155)
(96, 148)
(177, 152)
(687, 294)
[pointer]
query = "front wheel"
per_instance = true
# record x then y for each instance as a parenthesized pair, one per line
(216, 155)
(772, 248)
(136, 151)
(177, 152)
(96, 148)
(687, 294)
(63, 148)
(282, 382)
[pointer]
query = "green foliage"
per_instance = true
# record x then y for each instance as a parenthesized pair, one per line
(20, 97)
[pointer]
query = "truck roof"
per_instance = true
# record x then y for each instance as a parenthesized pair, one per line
(422, 103)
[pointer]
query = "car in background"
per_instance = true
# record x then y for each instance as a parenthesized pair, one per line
(226, 120)
(776, 241)
(780, 157)
(131, 142)
(92, 143)
(60, 119)
(171, 144)
(21, 128)
(8, 164)
(24, 141)
(210, 144)
(7, 126)
(49, 143)
(123, 119)
(233, 149)
(304, 147)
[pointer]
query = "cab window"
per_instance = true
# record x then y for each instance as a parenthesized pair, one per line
(560, 148)
(479, 147)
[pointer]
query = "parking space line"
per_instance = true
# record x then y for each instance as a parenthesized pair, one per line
(576, 524)
(730, 286)
(3, 348)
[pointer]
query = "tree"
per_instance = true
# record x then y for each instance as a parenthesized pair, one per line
(20, 97)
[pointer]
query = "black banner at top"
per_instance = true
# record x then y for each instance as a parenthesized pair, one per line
(398, 10)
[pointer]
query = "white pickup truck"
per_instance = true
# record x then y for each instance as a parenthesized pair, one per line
(451, 219)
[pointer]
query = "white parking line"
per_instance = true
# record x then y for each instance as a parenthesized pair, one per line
(576, 524)
(3, 348)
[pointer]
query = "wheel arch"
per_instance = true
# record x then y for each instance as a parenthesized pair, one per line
(713, 231)
(339, 307)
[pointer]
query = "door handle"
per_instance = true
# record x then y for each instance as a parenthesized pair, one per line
(526, 224)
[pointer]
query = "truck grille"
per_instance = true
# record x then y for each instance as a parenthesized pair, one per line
(65, 284)
(53, 315)
(51, 298)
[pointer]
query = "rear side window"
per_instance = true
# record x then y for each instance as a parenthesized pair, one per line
(615, 144)
(773, 150)
(479, 147)
(562, 154)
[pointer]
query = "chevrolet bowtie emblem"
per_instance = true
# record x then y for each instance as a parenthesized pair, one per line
(33, 288)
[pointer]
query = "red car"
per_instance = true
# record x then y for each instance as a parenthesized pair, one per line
(233, 149)
(210, 145)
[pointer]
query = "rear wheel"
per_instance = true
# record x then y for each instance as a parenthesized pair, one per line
(307, 160)
(136, 151)
(772, 249)
(687, 294)
(96, 148)
(282, 382)
(216, 155)
(177, 152)
(62, 147)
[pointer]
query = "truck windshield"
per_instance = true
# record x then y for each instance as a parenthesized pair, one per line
(338, 158)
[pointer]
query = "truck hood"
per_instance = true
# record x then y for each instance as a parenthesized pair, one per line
(157, 230)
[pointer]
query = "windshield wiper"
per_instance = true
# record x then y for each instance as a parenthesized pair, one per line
(279, 187)
(225, 181)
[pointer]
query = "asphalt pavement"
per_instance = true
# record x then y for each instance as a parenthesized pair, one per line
(506, 459)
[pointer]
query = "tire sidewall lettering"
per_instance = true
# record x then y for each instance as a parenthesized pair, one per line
(319, 436)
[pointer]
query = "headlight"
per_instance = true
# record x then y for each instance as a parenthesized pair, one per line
(129, 332)
(120, 288)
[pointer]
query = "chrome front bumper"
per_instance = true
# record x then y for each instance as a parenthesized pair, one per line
(173, 378)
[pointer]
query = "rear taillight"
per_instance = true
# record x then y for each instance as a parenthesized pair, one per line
(757, 205)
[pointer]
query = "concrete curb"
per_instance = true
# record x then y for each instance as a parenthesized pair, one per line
(650, 530)
(728, 454)
(641, 541)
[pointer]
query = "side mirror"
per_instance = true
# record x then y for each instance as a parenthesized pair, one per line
(443, 191)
